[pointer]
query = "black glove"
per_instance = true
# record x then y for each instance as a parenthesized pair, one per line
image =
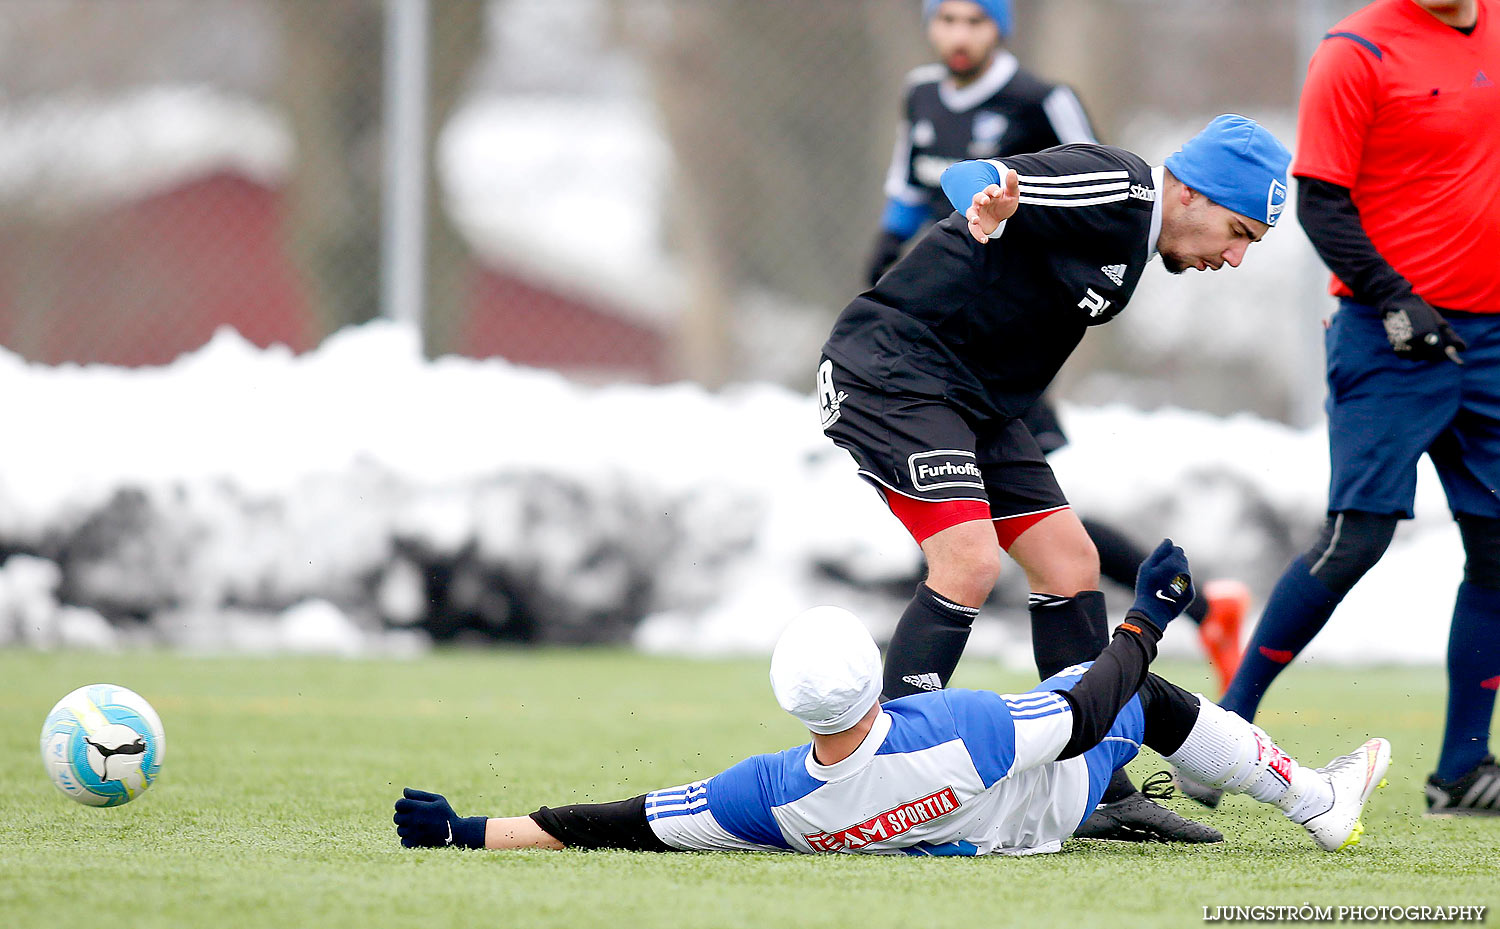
(1163, 586)
(425, 820)
(887, 250)
(1417, 332)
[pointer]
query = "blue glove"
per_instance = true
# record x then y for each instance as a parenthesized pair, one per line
(1163, 586)
(425, 820)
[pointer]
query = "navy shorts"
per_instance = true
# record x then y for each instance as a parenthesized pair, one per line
(1385, 412)
(1120, 744)
(924, 448)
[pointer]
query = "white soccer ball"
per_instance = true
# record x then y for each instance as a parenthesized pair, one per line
(102, 745)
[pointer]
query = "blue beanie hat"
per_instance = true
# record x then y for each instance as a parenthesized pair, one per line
(998, 10)
(1236, 163)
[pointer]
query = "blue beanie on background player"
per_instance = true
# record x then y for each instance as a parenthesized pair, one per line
(1237, 163)
(998, 10)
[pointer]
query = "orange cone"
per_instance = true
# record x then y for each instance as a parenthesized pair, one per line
(1228, 602)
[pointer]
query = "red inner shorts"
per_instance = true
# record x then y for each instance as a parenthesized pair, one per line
(926, 518)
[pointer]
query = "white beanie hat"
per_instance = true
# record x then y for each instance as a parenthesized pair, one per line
(826, 669)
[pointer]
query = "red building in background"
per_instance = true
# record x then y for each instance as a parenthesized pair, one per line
(143, 282)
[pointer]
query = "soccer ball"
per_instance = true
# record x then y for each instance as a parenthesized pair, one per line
(103, 745)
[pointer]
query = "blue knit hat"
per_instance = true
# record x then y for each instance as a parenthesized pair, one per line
(1236, 163)
(998, 10)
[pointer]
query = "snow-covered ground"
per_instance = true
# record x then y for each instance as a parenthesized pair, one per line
(247, 498)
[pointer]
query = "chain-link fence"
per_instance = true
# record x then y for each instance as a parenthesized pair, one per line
(646, 189)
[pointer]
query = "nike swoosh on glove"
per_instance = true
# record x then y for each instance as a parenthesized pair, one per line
(425, 820)
(1163, 585)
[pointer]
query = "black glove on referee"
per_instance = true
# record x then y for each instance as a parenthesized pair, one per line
(425, 820)
(887, 250)
(1417, 332)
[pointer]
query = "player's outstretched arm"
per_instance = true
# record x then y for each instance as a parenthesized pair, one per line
(1163, 589)
(508, 832)
(426, 820)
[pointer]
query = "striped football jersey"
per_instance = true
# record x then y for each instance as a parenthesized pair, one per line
(953, 772)
(986, 326)
(1006, 110)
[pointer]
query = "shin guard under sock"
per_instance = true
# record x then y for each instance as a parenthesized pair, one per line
(928, 641)
(1067, 630)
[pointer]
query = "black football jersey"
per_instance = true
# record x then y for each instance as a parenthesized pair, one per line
(1006, 110)
(988, 325)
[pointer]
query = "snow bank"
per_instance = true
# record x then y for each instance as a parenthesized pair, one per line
(224, 496)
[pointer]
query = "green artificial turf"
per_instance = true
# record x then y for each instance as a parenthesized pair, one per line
(274, 806)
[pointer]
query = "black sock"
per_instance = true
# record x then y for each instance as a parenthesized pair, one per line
(1067, 630)
(927, 644)
(1170, 714)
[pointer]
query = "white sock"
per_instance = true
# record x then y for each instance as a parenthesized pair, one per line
(1226, 752)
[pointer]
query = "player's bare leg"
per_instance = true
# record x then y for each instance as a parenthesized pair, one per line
(1057, 555)
(1069, 625)
(963, 562)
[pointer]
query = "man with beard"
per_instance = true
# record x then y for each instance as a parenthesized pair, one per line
(926, 375)
(980, 103)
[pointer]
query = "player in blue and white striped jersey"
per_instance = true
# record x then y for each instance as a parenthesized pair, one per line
(965, 772)
(952, 772)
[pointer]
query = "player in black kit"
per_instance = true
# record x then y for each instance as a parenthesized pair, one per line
(980, 103)
(926, 375)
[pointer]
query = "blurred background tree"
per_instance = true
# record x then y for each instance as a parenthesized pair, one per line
(783, 110)
(330, 88)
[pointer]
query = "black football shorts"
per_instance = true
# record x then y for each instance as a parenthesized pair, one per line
(924, 448)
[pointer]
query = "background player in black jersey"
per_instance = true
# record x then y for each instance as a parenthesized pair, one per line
(926, 376)
(977, 103)
(980, 103)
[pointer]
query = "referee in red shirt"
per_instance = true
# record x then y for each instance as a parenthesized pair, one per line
(1398, 163)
